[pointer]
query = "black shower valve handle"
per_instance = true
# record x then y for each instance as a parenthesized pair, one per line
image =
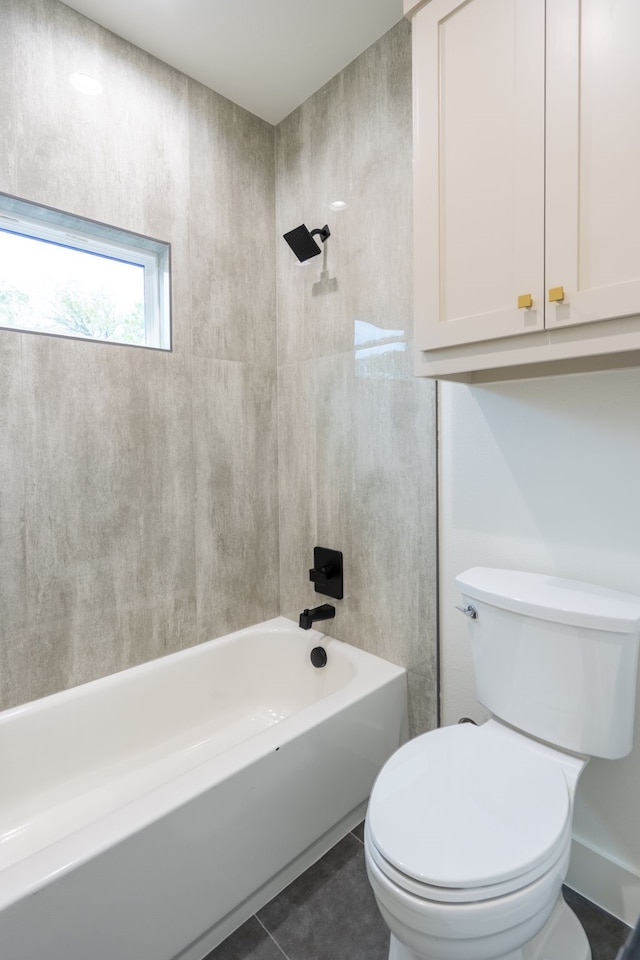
(322, 574)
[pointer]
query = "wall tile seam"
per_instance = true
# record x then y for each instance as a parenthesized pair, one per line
(276, 286)
(234, 362)
(337, 355)
(28, 613)
(14, 69)
(194, 481)
(12, 111)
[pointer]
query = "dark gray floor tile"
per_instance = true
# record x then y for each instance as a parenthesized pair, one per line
(606, 934)
(329, 913)
(250, 942)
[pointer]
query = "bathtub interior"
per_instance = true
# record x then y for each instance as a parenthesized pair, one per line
(70, 758)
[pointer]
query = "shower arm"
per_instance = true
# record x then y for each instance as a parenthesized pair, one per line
(322, 232)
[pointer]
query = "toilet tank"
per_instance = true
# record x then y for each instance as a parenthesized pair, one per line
(555, 658)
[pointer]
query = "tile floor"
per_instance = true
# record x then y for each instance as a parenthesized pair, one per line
(329, 913)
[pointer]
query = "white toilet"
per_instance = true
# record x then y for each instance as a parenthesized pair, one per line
(468, 830)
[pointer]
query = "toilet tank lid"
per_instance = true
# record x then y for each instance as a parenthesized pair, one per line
(553, 598)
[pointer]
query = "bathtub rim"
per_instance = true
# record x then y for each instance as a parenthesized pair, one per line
(149, 667)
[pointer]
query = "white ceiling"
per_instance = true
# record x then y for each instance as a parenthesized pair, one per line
(269, 56)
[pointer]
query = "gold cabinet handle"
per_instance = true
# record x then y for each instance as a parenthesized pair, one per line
(525, 300)
(556, 294)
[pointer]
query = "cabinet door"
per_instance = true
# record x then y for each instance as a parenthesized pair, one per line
(479, 169)
(593, 159)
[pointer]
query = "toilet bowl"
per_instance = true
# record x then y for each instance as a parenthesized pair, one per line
(467, 841)
(468, 828)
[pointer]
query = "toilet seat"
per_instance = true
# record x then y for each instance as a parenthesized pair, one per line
(556, 864)
(464, 814)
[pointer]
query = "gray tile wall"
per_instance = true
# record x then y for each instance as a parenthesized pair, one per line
(137, 488)
(139, 504)
(356, 431)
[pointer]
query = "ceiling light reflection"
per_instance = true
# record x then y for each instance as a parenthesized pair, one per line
(85, 83)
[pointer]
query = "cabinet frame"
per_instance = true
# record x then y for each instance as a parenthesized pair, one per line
(588, 329)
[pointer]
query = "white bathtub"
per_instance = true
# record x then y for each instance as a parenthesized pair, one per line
(144, 816)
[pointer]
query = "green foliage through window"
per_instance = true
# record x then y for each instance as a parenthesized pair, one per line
(67, 276)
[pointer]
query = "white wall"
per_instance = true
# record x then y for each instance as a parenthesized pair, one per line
(544, 475)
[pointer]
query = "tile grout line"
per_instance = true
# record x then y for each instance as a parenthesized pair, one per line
(266, 929)
(272, 938)
(354, 834)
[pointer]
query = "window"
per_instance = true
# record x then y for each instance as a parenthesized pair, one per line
(64, 275)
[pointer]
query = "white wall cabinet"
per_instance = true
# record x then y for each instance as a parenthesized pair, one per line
(527, 186)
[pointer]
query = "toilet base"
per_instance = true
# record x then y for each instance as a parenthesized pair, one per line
(561, 938)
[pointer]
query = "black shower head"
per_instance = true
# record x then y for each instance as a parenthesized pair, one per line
(302, 243)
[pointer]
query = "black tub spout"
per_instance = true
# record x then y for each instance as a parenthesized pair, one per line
(309, 617)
